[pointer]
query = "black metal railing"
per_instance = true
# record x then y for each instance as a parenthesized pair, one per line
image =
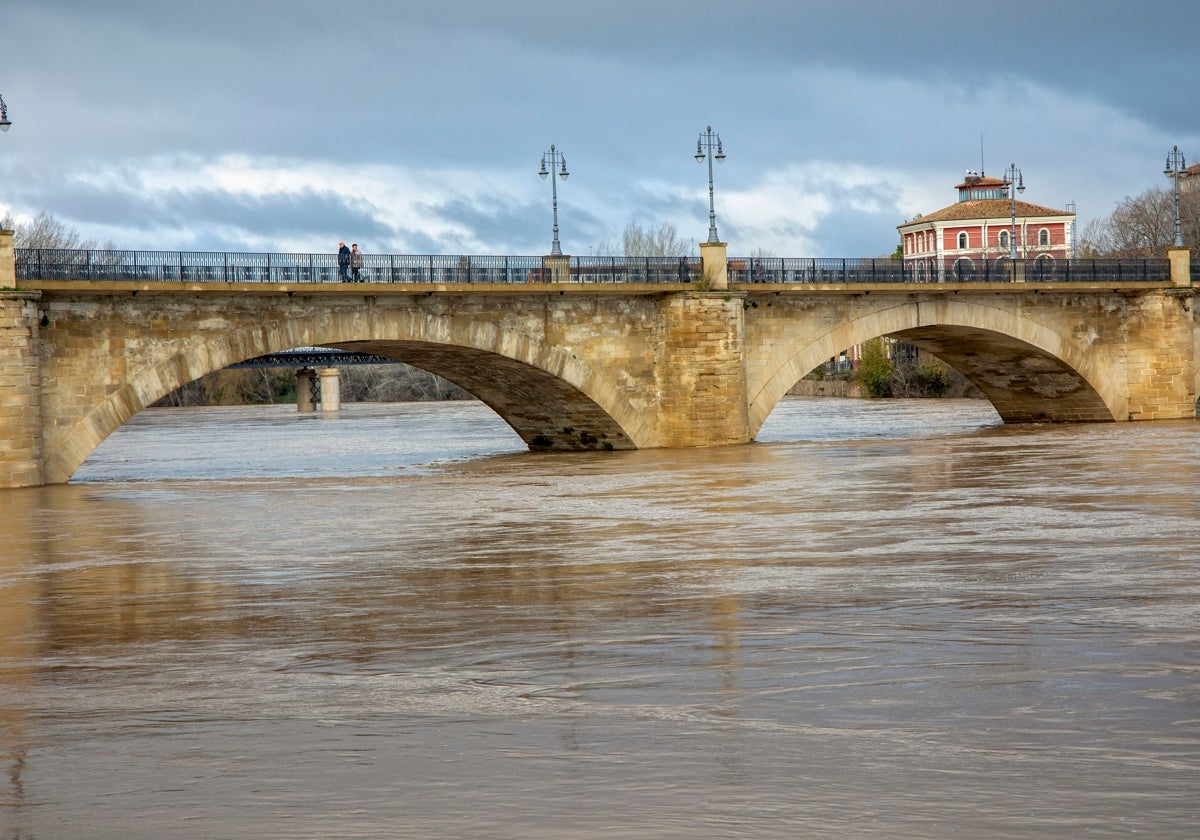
(221, 267)
(791, 270)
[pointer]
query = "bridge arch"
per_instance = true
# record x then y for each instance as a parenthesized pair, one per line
(1029, 372)
(552, 398)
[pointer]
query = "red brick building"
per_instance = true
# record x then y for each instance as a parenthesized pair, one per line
(972, 238)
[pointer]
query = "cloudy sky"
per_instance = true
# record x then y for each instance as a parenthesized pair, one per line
(417, 126)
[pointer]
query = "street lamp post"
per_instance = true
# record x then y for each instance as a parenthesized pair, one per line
(1174, 168)
(704, 149)
(4, 121)
(1013, 177)
(556, 161)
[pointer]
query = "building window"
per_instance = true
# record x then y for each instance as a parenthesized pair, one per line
(1043, 237)
(1002, 239)
(962, 241)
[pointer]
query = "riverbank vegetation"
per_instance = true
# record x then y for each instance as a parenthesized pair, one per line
(359, 383)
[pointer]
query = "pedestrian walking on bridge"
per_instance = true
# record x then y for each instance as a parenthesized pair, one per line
(343, 262)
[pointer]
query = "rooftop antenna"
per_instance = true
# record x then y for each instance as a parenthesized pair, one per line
(980, 155)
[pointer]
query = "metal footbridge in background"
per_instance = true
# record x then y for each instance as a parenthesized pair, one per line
(314, 357)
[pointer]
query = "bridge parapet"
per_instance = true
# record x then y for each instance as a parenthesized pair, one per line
(714, 270)
(398, 269)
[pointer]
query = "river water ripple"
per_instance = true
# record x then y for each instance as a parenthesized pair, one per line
(886, 619)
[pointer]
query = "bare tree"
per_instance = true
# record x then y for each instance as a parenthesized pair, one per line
(47, 231)
(637, 241)
(359, 383)
(1143, 226)
(396, 383)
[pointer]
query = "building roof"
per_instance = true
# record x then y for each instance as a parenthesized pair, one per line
(985, 208)
(975, 180)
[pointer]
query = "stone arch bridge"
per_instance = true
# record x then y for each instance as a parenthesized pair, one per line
(571, 364)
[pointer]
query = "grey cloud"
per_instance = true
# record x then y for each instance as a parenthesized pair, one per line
(623, 86)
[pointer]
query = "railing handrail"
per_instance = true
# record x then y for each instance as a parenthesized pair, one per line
(948, 269)
(262, 267)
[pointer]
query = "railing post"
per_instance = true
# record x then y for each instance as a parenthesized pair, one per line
(8, 261)
(1181, 266)
(714, 265)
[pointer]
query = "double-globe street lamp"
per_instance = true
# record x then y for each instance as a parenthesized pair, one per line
(704, 149)
(1174, 168)
(1013, 177)
(557, 161)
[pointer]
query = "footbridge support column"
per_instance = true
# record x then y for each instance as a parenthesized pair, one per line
(331, 389)
(306, 380)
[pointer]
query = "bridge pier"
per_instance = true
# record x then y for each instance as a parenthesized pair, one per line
(702, 371)
(20, 377)
(318, 387)
(305, 384)
(20, 389)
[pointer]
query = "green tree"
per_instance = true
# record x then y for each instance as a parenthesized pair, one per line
(874, 371)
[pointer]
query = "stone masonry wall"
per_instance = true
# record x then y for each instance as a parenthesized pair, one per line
(701, 371)
(20, 391)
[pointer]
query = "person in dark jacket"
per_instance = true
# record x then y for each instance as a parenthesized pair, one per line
(343, 262)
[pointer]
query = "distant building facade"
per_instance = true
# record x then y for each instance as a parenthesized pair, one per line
(1190, 179)
(972, 238)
